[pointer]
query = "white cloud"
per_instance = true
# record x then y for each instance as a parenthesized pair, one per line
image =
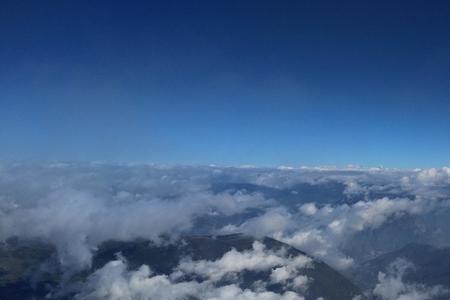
(391, 286)
(256, 259)
(321, 231)
(115, 282)
(124, 202)
(353, 188)
(76, 207)
(308, 208)
(273, 221)
(434, 176)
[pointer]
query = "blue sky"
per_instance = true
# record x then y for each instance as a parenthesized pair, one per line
(226, 82)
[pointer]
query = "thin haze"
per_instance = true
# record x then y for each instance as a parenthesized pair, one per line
(227, 82)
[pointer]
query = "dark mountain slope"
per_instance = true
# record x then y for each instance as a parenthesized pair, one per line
(326, 282)
(23, 277)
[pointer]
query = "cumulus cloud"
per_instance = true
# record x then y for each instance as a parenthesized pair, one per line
(115, 282)
(353, 188)
(257, 259)
(321, 231)
(432, 182)
(78, 207)
(77, 221)
(309, 208)
(434, 176)
(391, 285)
(272, 222)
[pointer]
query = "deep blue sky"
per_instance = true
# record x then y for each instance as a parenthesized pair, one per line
(227, 82)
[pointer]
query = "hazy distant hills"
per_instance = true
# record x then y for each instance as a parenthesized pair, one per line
(431, 266)
(325, 192)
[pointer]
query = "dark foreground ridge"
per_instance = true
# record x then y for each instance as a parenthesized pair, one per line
(19, 263)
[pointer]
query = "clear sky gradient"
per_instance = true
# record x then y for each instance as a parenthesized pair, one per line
(226, 82)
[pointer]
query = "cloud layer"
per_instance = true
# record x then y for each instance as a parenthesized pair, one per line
(339, 216)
